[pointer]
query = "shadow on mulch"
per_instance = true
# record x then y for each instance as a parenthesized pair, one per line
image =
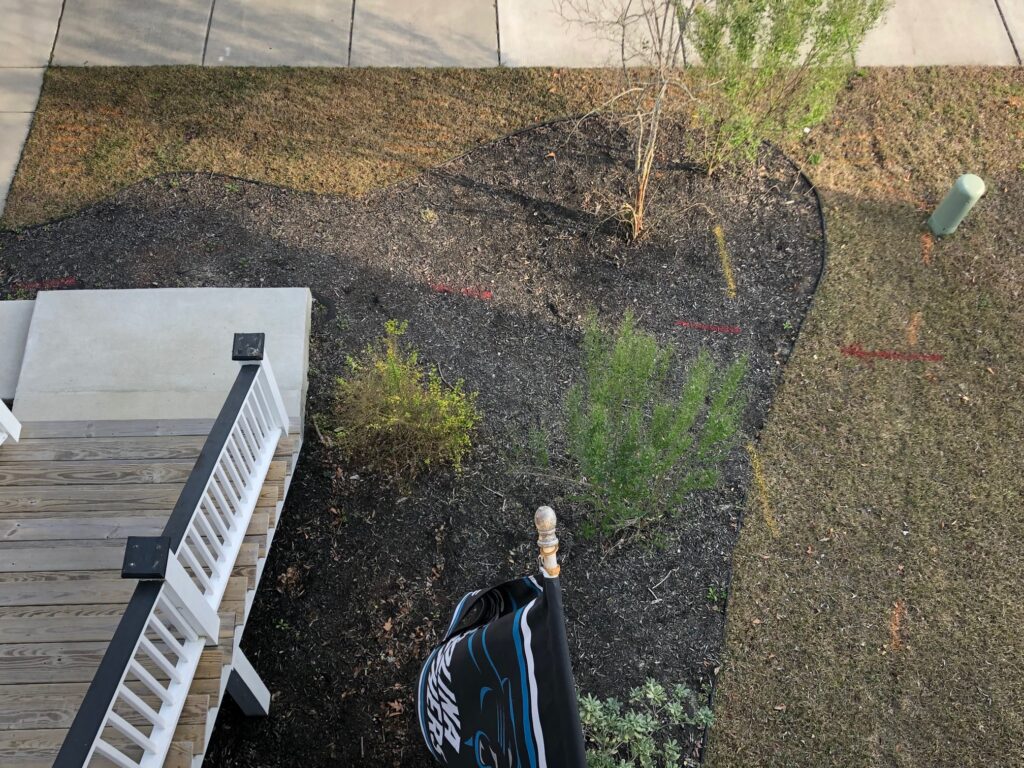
(494, 259)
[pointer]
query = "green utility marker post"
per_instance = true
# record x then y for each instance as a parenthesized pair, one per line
(957, 203)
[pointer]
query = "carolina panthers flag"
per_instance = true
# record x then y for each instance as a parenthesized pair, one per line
(498, 692)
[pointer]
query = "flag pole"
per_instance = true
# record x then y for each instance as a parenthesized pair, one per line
(566, 747)
(546, 522)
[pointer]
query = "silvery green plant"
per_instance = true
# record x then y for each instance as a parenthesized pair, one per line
(640, 734)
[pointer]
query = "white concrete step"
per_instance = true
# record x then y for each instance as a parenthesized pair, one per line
(162, 353)
(15, 317)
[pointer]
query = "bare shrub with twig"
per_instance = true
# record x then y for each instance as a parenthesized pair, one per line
(742, 71)
(649, 34)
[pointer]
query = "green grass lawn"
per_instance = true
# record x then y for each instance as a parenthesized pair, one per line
(881, 626)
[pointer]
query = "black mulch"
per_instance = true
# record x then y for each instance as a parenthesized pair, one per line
(493, 259)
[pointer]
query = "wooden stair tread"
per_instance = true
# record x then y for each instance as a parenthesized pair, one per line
(77, 473)
(121, 428)
(105, 527)
(113, 448)
(54, 705)
(74, 662)
(60, 500)
(85, 587)
(39, 746)
(66, 623)
(86, 555)
(116, 428)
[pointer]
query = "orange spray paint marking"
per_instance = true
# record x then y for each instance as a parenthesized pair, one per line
(723, 254)
(474, 293)
(762, 490)
(856, 350)
(927, 244)
(707, 327)
(45, 285)
(914, 328)
(899, 611)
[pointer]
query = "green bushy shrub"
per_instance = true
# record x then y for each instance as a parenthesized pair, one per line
(635, 736)
(641, 448)
(770, 68)
(394, 418)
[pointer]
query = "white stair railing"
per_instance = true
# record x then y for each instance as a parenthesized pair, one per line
(9, 426)
(133, 705)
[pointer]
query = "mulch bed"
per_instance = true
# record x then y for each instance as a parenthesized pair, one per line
(494, 259)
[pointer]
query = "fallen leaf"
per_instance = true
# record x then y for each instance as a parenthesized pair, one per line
(779, 707)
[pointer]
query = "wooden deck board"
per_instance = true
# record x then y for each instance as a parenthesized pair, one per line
(57, 500)
(78, 473)
(85, 587)
(54, 705)
(72, 662)
(114, 448)
(102, 528)
(37, 748)
(122, 471)
(70, 494)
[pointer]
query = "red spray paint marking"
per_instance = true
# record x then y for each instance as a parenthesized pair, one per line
(856, 350)
(706, 327)
(474, 293)
(43, 285)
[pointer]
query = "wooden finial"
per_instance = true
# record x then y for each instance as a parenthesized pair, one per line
(546, 522)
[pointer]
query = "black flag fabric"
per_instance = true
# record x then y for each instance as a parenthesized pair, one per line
(498, 691)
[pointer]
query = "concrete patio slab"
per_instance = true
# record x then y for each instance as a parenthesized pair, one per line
(162, 353)
(15, 317)
(424, 33)
(933, 32)
(1013, 12)
(269, 33)
(27, 30)
(132, 32)
(535, 34)
(13, 132)
(19, 88)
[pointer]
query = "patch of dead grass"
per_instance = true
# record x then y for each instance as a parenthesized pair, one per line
(897, 476)
(342, 131)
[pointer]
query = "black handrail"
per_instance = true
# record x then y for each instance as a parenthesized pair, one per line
(181, 518)
(92, 713)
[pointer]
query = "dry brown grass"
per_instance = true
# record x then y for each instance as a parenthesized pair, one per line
(320, 130)
(890, 483)
(894, 483)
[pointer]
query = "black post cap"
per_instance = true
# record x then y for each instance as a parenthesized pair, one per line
(145, 557)
(248, 347)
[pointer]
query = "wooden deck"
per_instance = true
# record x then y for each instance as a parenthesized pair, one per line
(70, 494)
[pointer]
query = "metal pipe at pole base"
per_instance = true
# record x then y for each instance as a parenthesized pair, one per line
(958, 202)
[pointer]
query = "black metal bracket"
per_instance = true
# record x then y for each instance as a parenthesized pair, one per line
(145, 557)
(248, 347)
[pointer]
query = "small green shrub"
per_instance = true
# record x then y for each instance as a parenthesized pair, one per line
(394, 418)
(640, 448)
(640, 734)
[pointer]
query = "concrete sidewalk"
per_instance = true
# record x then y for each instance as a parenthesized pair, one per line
(27, 34)
(405, 33)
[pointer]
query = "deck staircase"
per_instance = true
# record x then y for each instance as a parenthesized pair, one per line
(72, 492)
